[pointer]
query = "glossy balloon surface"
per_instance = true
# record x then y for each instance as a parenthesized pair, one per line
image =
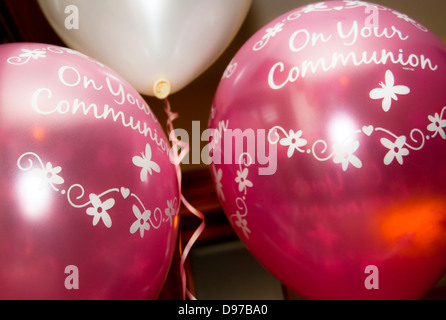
(329, 159)
(156, 45)
(88, 196)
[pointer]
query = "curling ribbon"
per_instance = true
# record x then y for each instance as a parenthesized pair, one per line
(176, 160)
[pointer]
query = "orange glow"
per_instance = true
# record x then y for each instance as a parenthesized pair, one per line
(344, 81)
(176, 222)
(418, 224)
(39, 134)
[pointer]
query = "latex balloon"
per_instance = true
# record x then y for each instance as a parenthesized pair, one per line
(328, 151)
(88, 196)
(159, 46)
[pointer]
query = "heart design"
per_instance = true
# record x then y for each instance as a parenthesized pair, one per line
(125, 192)
(368, 130)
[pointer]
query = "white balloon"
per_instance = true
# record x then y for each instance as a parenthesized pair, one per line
(159, 46)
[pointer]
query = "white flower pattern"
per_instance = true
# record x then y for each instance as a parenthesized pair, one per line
(272, 32)
(99, 210)
(294, 142)
(396, 150)
(33, 54)
(50, 175)
(170, 211)
(315, 7)
(353, 3)
(218, 175)
(242, 180)
(437, 125)
(344, 155)
(269, 33)
(141, 223)
(406, 18)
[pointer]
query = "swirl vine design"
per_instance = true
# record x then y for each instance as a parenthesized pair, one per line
(28, 55)
(230, 69)
(239, 218)
(397, 146)
(99, 205)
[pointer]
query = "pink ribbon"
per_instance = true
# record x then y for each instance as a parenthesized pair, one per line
(177, 158)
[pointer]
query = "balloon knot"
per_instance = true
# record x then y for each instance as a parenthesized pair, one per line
(161, 89)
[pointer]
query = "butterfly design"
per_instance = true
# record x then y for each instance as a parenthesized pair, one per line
(388, 91)
(145, 162)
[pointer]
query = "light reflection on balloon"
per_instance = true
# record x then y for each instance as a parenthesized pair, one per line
(341, 128)
(34, 195)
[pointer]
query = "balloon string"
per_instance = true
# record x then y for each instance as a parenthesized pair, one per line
(176, 159)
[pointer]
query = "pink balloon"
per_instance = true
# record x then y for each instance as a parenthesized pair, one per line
(330, 152)
(88, 196)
